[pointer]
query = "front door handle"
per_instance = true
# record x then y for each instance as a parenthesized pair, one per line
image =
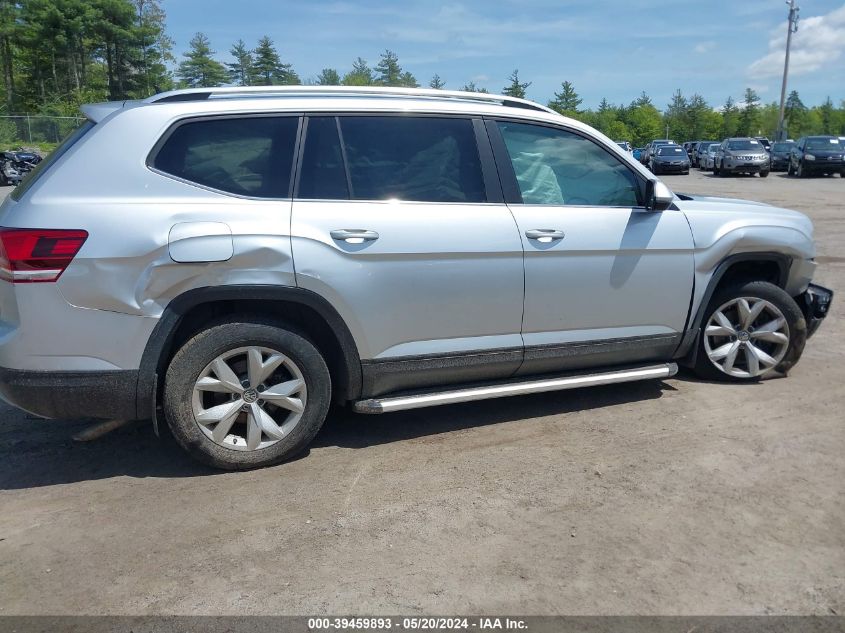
(545, 235)
(354, 236)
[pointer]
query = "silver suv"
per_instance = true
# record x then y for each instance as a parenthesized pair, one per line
(741, 156)
(246, 257)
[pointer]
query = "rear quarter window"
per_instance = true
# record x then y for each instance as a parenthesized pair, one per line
(42, 167)
(246, 156)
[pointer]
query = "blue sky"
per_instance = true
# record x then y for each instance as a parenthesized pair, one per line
(606, 48)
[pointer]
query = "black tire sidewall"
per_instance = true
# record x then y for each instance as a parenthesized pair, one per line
(217, 339)
(797, 327)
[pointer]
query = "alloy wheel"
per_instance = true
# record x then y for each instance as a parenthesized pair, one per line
(746, 337)
(249, 398)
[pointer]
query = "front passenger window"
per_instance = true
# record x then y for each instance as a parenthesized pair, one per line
(556, 167)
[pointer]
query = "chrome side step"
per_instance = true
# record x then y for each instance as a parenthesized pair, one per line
(400, 403)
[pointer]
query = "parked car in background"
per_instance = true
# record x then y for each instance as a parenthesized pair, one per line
(765, 142)
(651, 148)
(625, 145)
(638, 152)
(817, 155)
(202, 281)
(699, 149)
(780, 155)
(741, 155)
(707, 159)
(688, 145)
(670, 159)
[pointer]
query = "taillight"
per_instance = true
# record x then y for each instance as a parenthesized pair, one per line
(37, 255)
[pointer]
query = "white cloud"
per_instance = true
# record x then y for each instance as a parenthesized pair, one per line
(703, 47)
(817, 44)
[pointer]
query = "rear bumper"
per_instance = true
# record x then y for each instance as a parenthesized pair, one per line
(815, 304)
(71, 394)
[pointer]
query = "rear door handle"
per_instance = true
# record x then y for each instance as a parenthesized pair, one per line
(545, 235)
(354, 236)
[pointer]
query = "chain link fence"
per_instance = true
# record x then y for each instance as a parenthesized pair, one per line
(35, 130)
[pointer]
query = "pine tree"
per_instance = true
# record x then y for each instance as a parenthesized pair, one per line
(360, 75)
(407, 80)
(328, 77)
(471, 87)
(200, 69)
(240, 70)
(388, 69)
(729, 118)
(267, 66)
(567, 100)
(749, 117)
(437, 83)
(516, 88)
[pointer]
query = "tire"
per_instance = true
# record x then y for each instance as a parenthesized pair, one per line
(301, 382)
(764, 174)
(713, 355)
(722, 172)
(800, 172)
(715, 169)
(789, 170)
(842, 174)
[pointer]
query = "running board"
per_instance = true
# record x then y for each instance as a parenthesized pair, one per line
(433, 399)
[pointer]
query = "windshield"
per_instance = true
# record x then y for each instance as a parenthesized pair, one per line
(669, 150)
(713, 147)
(782, 147)
(745, 144)
(824, 143)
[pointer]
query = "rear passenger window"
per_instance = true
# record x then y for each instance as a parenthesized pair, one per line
(425, 159)
(323, 175)
(248, 156)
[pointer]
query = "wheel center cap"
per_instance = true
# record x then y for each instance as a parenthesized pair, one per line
(743, 336)
(250, 396)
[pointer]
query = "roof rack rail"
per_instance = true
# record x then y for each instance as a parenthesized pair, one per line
(234, 92)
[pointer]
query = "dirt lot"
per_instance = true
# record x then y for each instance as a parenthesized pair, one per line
(677, 497)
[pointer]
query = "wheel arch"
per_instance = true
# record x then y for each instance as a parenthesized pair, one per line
(299, 308)
(751, 266)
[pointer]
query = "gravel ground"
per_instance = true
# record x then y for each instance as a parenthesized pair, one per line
(673, 497)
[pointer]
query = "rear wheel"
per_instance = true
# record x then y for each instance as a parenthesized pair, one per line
(244, 394)
(749, 331)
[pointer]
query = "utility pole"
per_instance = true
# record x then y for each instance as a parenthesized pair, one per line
(791, 28)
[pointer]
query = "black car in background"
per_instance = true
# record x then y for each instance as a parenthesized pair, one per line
(647, 155)
(780, 155)
(670, 159)
(814, 155)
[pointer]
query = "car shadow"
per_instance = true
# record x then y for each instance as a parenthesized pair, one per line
(36, 452)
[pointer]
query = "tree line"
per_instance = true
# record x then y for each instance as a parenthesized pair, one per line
(58, 54)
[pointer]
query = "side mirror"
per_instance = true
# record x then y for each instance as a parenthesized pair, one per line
(658, 196)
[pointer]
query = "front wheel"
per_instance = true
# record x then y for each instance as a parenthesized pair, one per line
(749, 331)
(245, 394)
(764, 173)
(801, 172)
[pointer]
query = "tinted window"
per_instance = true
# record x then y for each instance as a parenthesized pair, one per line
(249, 156)
(412, 158)
(833, 144)
(668, 150)
(323, 176)
(553, 166)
